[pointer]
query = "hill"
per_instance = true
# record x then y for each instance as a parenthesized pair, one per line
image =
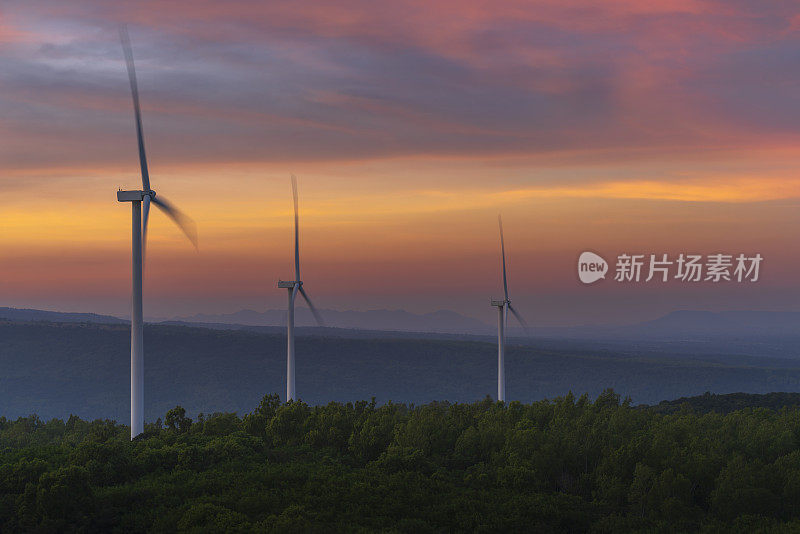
(58, 369)
(779, 330)
(25, 314)
(444, 321)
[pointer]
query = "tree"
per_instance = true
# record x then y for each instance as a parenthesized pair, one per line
(176, 420)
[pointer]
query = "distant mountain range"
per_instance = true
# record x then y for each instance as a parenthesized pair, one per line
(690, 325)
(444, 321)
(675, 326)
(730, 323)
(55, 363)
(24, 314)
(54, 369)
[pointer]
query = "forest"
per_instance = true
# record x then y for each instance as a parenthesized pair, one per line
(571, 464)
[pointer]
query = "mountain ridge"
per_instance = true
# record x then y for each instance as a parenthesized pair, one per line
(445, 321)
(679, 325)
(55, 369)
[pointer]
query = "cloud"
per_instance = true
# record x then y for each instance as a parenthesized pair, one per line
(622, 124)
(320, 81)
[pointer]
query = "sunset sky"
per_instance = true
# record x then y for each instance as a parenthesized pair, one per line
(616, 126)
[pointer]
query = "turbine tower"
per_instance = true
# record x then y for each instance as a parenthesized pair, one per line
(503, 307)
(140, 201)
(294, 286)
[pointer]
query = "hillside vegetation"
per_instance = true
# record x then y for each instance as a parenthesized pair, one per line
(730, 402)
(566, 465)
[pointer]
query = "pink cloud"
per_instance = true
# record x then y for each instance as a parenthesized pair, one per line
(361, 79)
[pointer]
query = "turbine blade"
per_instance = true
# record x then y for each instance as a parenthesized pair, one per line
(522, 322)
(296, 232)
(183, 221)
(128, 51)
(503, 252)
(314, 311)
(145, 218)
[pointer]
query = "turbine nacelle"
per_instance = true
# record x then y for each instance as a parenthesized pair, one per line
(500, 303)
(134, 196)
(289, 284)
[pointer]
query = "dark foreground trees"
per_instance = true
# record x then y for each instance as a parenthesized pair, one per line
(568, 465)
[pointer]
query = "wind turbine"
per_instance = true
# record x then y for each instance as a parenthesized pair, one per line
(503, 307)
(294, 286)
(140, 201)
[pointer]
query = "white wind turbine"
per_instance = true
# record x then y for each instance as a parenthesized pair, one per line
(140, 201)
(503, 307)
(294, 286)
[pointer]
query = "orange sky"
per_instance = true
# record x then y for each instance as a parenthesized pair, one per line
(669, 127)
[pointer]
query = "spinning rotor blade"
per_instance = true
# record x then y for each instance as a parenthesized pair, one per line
(522, 322)
(128, 51)
(183, 221)
(314, 311)
(503, 251)
(296, 233)
(145, 218)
